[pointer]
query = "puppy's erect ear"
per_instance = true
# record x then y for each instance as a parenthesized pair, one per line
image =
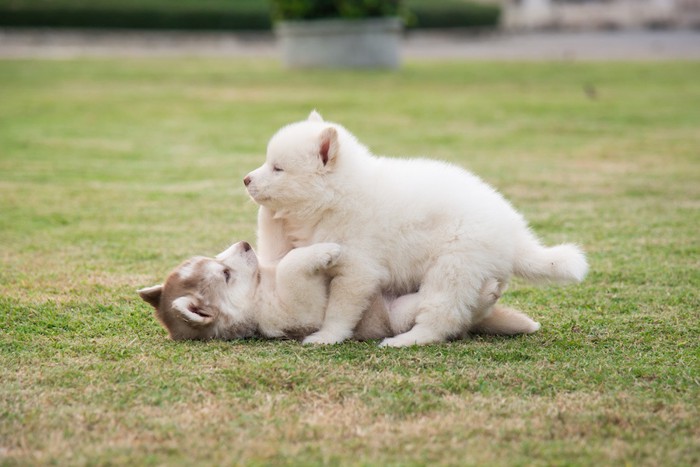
(191, 311)
(152, 295)
(315, 116)
(328, 148)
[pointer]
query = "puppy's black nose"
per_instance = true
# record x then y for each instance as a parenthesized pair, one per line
(246, 180)
(246, 246)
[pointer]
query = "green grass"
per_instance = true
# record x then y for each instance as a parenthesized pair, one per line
(112, 171)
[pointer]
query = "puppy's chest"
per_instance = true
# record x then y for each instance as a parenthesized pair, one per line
(300, 234)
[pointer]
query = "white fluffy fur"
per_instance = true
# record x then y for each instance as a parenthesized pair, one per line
(405, 225)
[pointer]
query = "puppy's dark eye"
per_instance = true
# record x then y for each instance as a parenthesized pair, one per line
(227, 275)
(277, 168)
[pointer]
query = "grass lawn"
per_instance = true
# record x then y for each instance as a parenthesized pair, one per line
(113, 171)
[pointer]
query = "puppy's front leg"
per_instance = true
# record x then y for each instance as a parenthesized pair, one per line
(311, 259)
(302, 277)
(273, 243)
(350, 295)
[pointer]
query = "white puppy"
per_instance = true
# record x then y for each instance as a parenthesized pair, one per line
(232, 296)
(406, 226)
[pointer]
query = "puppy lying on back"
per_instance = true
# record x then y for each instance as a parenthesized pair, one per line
(232, 296)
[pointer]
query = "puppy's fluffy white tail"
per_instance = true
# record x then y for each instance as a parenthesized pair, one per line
(506, 322)
(562, 263)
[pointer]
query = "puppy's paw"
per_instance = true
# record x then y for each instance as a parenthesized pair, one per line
(398, 341)
(489, 295)
(416, 336)
(490, 291)
(330, 256)
(323, 338)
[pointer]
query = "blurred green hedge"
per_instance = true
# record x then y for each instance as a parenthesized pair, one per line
(216, 14)
(318, 9)
(453, 14)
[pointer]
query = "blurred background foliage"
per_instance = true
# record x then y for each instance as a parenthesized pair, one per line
(236, 14)
(319, 9)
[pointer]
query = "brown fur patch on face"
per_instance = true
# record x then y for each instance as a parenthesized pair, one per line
(193, 280)
(187, 280)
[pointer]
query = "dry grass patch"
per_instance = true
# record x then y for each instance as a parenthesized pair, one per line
(470, 428)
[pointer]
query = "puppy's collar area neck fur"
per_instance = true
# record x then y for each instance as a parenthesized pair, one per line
(242, 330)
(307, 217)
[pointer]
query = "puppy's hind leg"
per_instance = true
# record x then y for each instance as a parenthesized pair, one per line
(352, 289)
(436, 321)
(490, 292)
(404, 310)
(505, 321)
(448, 298)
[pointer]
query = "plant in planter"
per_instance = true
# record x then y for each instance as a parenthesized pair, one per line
(338, 33)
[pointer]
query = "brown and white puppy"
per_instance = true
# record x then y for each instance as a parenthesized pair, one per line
(232, 296)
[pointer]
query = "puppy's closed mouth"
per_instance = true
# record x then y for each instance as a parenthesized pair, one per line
(256, 195)
(260, 198)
